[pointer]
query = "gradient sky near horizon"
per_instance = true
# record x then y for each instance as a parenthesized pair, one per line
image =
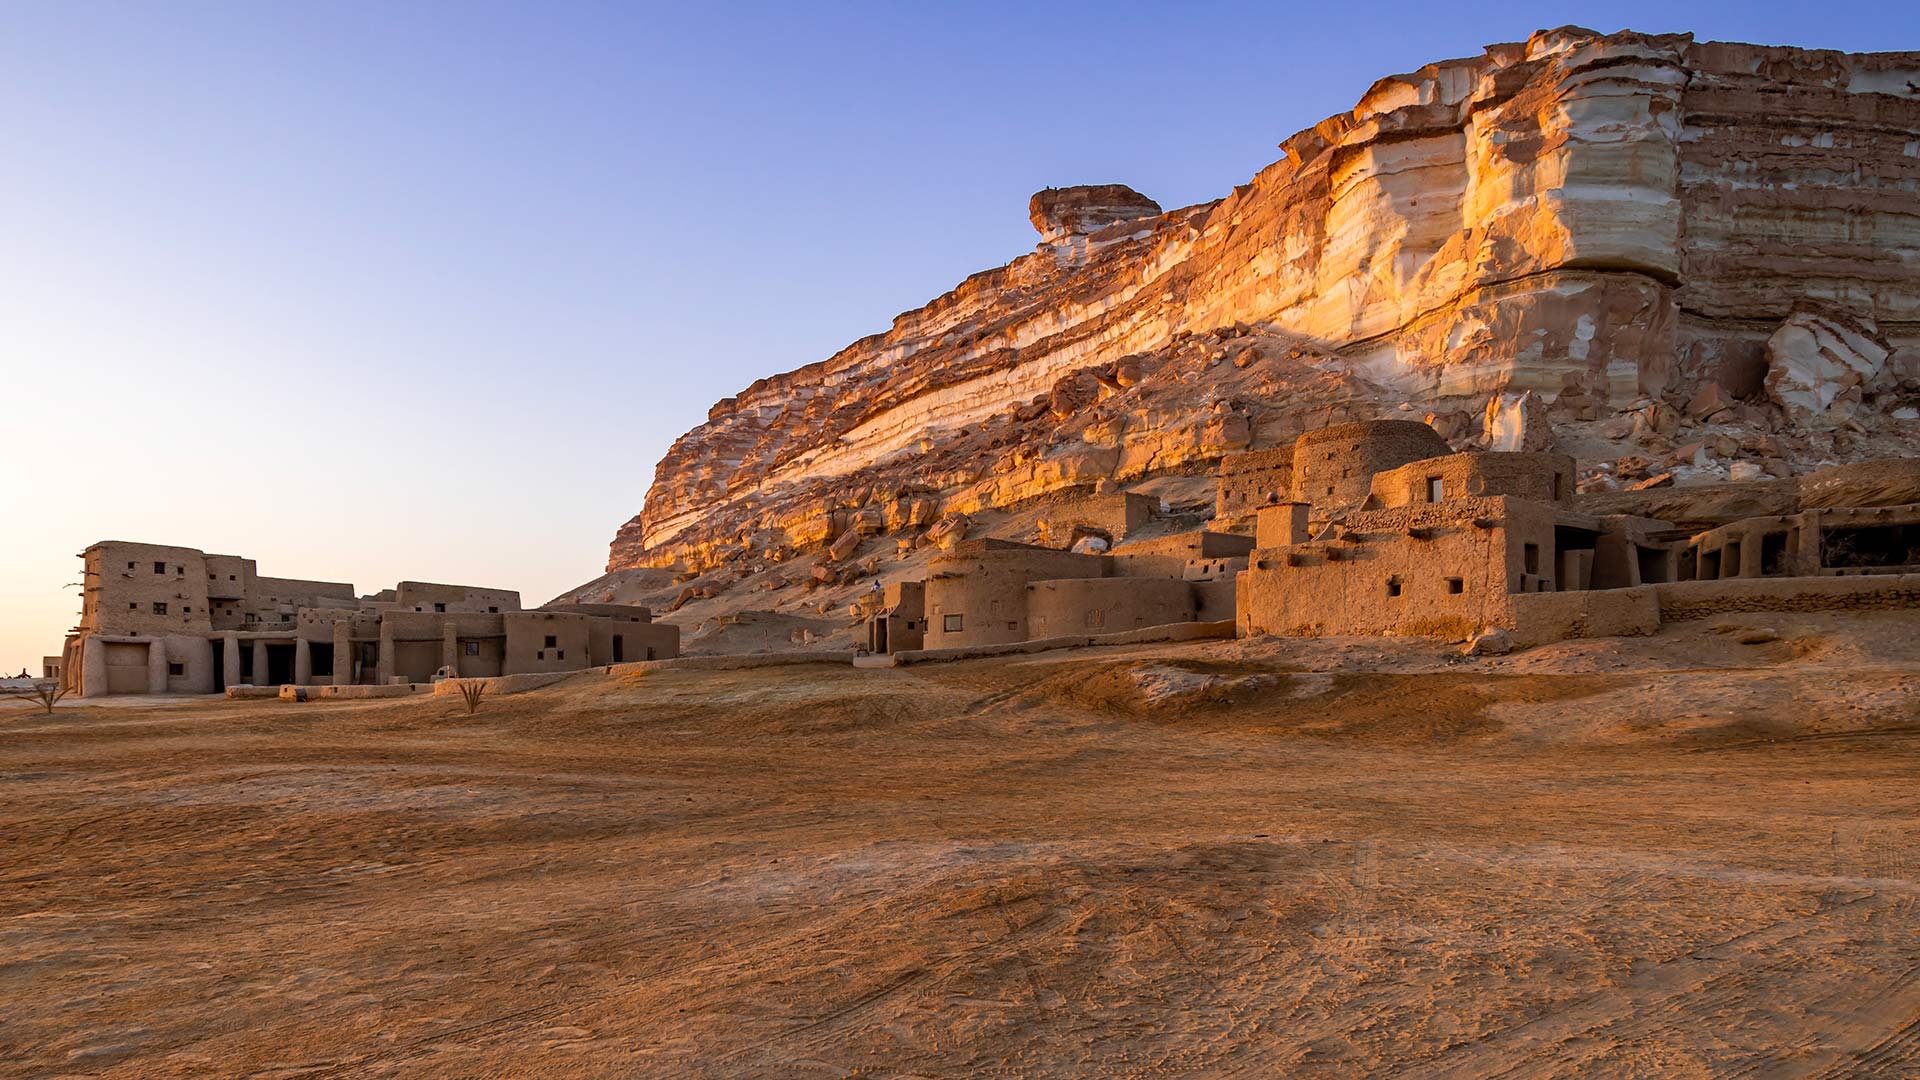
(372, 291)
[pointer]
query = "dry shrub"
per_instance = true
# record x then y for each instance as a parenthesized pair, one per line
(471, 691)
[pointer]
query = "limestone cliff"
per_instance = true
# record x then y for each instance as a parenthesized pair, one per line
(1621, 224)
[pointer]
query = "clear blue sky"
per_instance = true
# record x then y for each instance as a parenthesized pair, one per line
(385, 290)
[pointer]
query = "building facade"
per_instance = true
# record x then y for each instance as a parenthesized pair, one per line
(159, 619)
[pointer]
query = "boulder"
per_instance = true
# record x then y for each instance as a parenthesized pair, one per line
(947, 533)
(844, 547)
(1518, 422)
(1820, 363)
(1491, 642)
(1711, 400)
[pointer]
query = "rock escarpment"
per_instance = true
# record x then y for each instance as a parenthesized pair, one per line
(1639, 234)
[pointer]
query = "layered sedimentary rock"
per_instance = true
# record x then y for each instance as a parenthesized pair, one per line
(1610, 222)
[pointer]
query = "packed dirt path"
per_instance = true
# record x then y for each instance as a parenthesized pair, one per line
(1685, 856)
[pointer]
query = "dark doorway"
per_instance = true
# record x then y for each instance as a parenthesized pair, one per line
(366, 662)
(219, 667)
(1773, 554)
(279, 664)
(1872, 546)
(619, 648)
(321, 655)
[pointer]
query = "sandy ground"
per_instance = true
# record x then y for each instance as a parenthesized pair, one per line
(1684, 856)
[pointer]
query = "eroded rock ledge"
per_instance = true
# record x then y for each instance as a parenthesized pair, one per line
(1624, 225)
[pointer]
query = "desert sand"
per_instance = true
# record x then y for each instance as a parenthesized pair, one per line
(1689, 855)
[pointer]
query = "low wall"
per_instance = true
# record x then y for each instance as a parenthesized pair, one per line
(497, 685)
(1186, 631)
(735, 663)
(1682, 600)
(1539, 618)
(321, 693)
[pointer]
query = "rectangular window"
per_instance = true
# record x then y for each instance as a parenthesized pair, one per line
(129, 566)
(176, 669)
(159, 568)
(1557, 481)
(1456, 585)
(133, 607)
(159, 607)
(1393, 586)
(252, 617)
(493, 611)
(552, 641)
(473, 648)
(560, 654)
(1531, 558)
(541, 655)
(441, 608)
(1436, 489)
(951, 624)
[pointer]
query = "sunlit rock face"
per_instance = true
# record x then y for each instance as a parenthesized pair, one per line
(1602, 220)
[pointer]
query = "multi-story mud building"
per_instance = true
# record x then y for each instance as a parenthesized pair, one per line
(159, 619)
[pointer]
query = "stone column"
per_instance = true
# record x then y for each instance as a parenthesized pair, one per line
(230, 657)
(93, 667)
(157, 667)
(384, 670)
(342, 653)
(1752, 551)
(450, 646)
(259, 662)
(302, 662)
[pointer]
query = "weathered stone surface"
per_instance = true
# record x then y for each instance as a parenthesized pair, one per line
(1518, 422)
(1605, 221)
(1820, 363)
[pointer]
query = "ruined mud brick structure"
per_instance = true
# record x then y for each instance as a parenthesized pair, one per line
(996, 592)
(1813, 543)
(898, 620)
(1377, 543)
(158, 619)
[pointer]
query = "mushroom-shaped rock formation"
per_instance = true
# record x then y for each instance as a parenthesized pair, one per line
(1075, 211)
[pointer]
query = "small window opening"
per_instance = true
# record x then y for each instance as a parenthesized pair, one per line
(1531, 558)
(1558, 481)
(440, 608)
(951, 624)
(560, 654)
(1393, 585)
(159, 568)
(552, 641)
(159, 607)
(1436, 489)
(176, 669)
(473, 648)
(1456, 585)
(493, 611)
